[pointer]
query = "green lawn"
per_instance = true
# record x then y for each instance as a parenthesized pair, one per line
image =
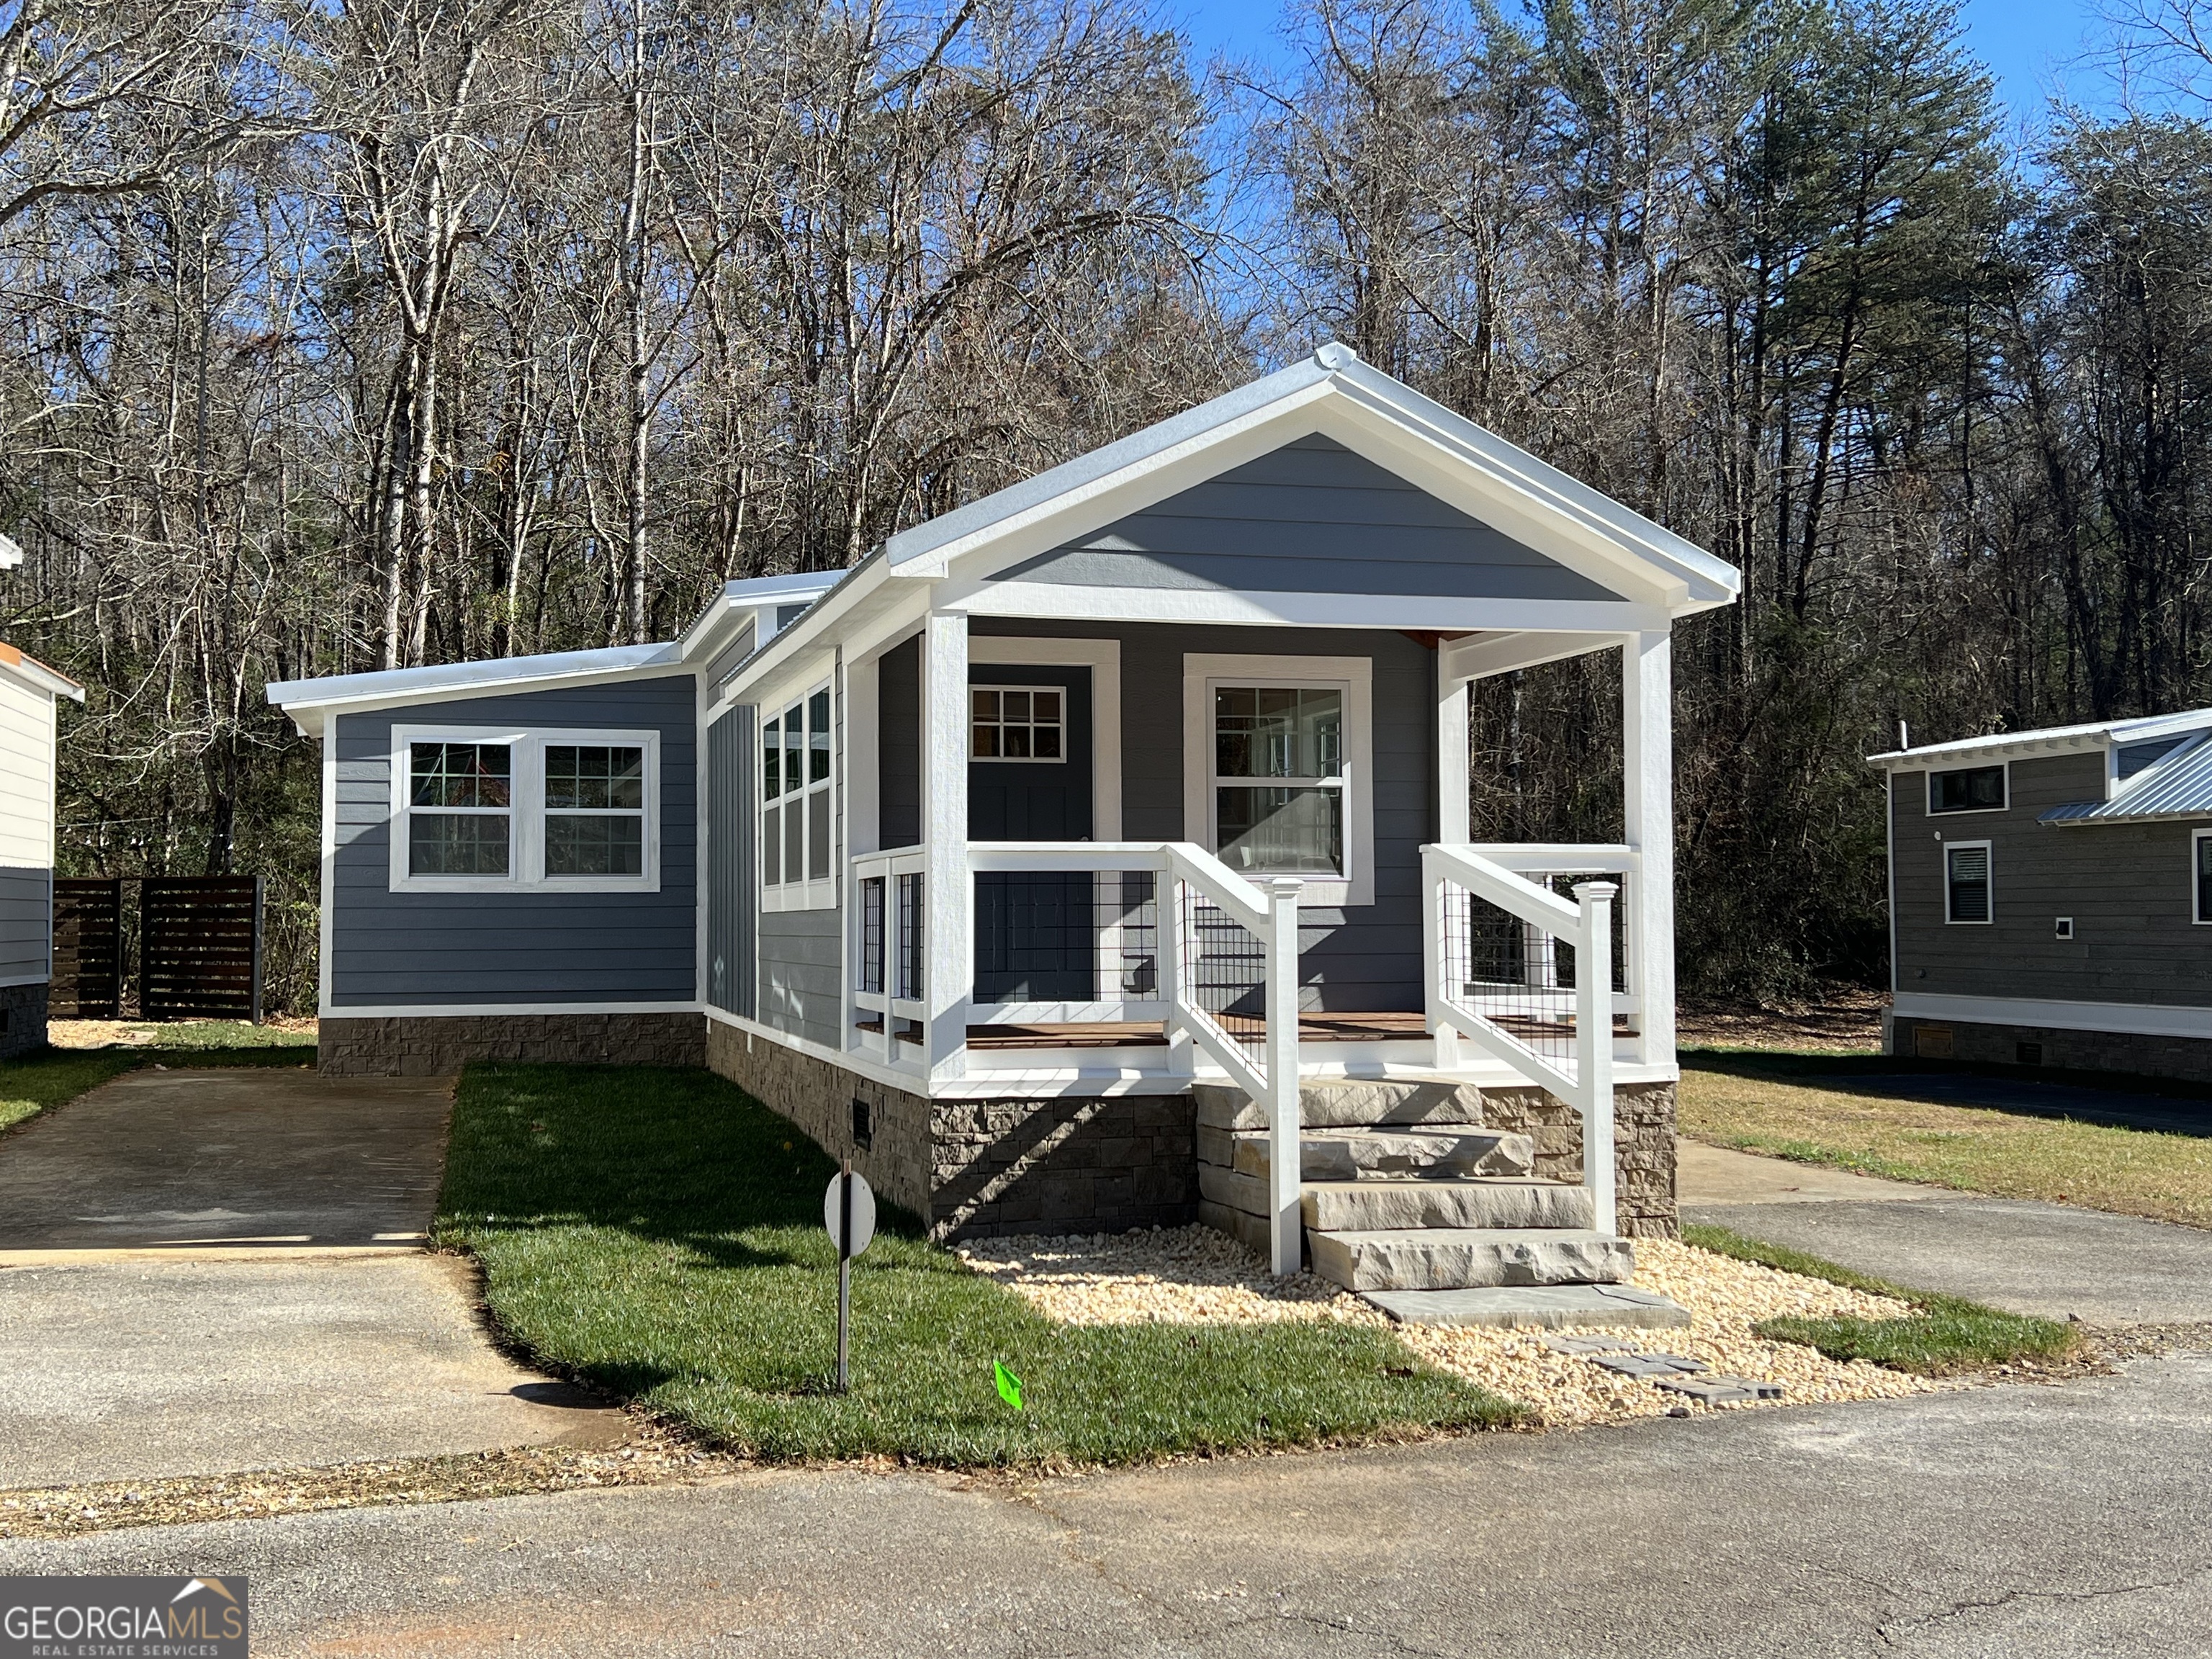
(1943, 1334)
(50, 1076)
(658, 1233)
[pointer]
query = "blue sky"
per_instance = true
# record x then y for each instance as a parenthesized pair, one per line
(2029, 45)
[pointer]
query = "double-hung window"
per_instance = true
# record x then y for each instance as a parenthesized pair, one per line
(1966, 896)
(476, 810)
(798, 782)
(1277, 775)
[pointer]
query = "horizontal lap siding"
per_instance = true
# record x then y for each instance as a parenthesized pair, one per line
(1356, 959)
(2127, 886)
(26, 922)
(27, 830)
(1312, 517)
(459, 950)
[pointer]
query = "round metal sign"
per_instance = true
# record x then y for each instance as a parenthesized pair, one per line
(863, 1213)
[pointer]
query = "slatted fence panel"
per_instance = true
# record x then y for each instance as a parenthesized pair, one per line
(88, 983)
(200, 955)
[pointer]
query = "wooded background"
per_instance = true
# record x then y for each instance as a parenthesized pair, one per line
(345, 334)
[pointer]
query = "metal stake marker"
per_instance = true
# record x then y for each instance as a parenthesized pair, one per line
(844, 1276)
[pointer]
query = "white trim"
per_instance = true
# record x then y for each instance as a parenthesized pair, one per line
(527, 813)
(1989, 882)
(1480, 656)
(860, 766)
(1935, 771)
(702, 849)
(1072, 602)
(488, 1010)
(1103, 658)
(2123, 1018)
(327, 922)
(311, 703)
(2196, 838)
(2055, 740)
(1355, 677)
(38, 677)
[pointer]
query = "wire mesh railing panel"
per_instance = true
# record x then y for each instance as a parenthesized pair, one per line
(871, 935)
(910, 921)
(1074, 937)
(1226, 974)
(1516, 974)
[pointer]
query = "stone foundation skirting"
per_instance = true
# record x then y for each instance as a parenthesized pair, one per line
(440, 1045)
(1643, 1148)
(2055, 1048)
(22, 1018)
(978, 1169)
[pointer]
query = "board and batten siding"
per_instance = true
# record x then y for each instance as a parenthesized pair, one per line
(732, 891)
(27, 833)
(1353, 959)
(2127, 886)
(1312, 517)
(460, 950)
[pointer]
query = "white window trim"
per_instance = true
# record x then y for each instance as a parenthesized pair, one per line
(779, 897)
(526, 817)
(1948, 848)
(2197, 877)
(1353, 675)
(2005, 767)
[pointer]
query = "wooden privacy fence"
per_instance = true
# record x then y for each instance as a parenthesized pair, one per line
(199, 948)
(88, 983)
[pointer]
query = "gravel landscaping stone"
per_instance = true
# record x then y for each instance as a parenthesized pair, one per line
(1194, 1275)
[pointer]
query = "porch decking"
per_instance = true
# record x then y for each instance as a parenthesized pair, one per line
(1139, 1034)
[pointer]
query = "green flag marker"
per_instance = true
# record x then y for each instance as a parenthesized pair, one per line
(1010, 1386)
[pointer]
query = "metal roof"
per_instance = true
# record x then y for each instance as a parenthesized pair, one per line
(2177, 786)
(2097, 734)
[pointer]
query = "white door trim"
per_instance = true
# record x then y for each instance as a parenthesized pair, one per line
(1103, 658)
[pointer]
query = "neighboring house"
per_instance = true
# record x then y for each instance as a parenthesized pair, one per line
(1066, 858)
(30, 693)
(2050, 897)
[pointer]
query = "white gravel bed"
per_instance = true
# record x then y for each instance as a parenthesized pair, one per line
(1193, 1275)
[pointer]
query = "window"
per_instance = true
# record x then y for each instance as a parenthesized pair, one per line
(1016, 722)
(1976, 789)
(2201, 849)
(1966, 881)
(485, 810)
(1276, 781)
(796, 828)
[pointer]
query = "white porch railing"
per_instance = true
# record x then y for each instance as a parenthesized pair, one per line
(890, 926)
(1492, 946)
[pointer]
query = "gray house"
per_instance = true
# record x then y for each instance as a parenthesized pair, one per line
(2051, 897)
(30, 697)
(1092, 857)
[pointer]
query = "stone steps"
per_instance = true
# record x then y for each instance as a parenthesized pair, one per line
(1348, 1103)
(1450, 1259)
(1360, 1154)
(1337, 1206)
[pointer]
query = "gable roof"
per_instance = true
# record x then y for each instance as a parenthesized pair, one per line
(36, 675)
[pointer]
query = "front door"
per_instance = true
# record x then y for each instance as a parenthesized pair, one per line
(1028, 779)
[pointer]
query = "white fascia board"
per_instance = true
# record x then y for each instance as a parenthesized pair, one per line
(2054, 739)
(1481, 657)
(1059, 602)
(30, 671)
(2121, 1018)
(871, 599)
(312, 706)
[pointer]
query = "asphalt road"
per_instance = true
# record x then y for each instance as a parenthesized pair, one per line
(2015, 1521)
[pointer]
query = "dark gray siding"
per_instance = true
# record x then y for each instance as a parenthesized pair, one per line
(2127, 886)
(1354, 960)
(1309, 518)
(26, 922)
(733, 892)
(461, 949)
(898, 754)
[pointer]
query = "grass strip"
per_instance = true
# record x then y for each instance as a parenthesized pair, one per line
(658, 1234)
(1808, 1112)
(45, 1078)
(1943, 1336)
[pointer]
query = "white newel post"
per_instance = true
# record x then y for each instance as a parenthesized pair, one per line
(1593, 1044)
(948, 897)
(1453, 828)
(1286, 1228)
(1647, 811)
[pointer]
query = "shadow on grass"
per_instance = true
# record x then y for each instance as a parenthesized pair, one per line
(657, 1233)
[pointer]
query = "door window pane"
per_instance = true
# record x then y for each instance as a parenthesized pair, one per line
(1017, 723)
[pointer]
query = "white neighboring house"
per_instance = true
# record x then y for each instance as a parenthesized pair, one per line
(29, 693)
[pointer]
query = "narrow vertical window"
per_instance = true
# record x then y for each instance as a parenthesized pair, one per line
(2204, 876)
(798, 827)
(1966, 880)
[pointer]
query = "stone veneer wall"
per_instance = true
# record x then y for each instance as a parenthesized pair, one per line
(439, 1045)
(22, 1018)
(2187, 1058)
(973, 1169)
(1643, 1148)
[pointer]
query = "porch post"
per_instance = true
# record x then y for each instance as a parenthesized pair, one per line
(948, 888)
(1452, 811)
(1593, 1044)
(1286, 1235)
(1647, 749)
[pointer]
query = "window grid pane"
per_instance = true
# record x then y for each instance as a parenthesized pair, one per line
(612, 844)
(1277, 731)
(1017, 723)
(1282, 831)
(459, 775)
(456, 844)
(594, 779)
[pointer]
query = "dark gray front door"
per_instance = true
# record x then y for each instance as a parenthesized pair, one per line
(1028, 779)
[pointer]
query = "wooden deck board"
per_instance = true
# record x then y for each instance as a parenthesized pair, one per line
(1138, 1034)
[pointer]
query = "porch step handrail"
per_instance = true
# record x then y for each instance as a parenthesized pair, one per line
(1271, 917)
(1583, 1077)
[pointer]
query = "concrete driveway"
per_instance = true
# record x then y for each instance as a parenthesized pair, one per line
(2012, 1523)
(2046, 1259)
(219, 1270)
